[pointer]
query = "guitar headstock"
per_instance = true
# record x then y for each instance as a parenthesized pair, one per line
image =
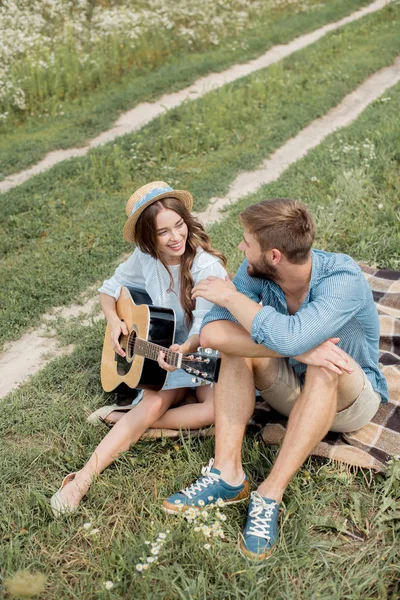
(203, 364)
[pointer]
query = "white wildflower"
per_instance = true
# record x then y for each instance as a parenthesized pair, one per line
(207, 546)
(108, 585)
(87, 525)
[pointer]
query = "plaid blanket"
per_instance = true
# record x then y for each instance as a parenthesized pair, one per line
(374, 444)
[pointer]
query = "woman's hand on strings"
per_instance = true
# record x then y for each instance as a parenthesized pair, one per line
(161, 357)
(118, 328)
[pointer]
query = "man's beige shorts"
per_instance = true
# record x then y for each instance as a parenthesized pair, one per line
(282, 395)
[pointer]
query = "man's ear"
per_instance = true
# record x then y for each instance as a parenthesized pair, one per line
(276, 256)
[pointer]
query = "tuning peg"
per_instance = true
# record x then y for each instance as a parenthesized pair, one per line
(205, 375)
(196, 372)
(195, 380)
(208, 351)
(189, 369)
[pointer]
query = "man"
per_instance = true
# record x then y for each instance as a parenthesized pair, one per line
(311, 349)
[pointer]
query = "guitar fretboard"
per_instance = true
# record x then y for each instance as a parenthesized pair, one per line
(151, 351)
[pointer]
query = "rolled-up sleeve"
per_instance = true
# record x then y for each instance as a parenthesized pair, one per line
(127, 273)
(204, 306)
(290, 335)
(250, 286)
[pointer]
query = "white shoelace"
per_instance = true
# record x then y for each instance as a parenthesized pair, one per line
(202, 483)
(262, 515)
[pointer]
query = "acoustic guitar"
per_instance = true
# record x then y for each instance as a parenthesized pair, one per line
(150, 329)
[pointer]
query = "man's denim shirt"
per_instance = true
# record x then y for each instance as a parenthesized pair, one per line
(339, 303)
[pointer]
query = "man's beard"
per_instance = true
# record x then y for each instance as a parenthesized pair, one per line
(263, 269)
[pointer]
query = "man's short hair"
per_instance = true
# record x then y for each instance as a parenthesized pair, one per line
(286, 225)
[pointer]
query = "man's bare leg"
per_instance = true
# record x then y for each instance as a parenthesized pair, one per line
(224, 480)
(309, 421)
(234, 400)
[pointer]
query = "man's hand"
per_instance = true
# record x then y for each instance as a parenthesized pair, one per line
(327, 355)
(215, 290)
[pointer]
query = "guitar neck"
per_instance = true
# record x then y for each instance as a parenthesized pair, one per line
(151, 351)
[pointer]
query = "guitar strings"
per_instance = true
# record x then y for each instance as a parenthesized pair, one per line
(152, 350)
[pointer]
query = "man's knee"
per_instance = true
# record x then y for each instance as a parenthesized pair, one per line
(265, 371)
(321, 376)
(210, 334)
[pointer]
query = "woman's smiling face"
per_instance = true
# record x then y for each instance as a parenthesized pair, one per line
(172, 234)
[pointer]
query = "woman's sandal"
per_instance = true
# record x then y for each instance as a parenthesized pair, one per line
(57, 504)
(100, 415)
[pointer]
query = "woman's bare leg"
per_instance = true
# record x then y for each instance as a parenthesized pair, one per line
(126, 432)
(190, 416)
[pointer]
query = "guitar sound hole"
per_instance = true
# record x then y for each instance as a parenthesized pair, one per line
(130, 345)
(123, 364)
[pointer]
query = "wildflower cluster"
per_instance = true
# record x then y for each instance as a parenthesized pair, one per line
(365, 150)
(88, 527)
(154, 550)
(55, 50)
(206, 522)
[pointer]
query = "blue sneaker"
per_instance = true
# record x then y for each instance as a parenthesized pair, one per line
(209, 489)
(261, 531)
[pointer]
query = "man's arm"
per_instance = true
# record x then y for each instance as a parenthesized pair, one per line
(289, 335)
(233, 339)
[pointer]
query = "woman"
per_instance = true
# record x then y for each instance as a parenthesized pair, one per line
(173, 254)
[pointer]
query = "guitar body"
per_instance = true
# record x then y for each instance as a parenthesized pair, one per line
(152, 323)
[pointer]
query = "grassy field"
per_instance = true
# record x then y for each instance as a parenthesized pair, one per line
(339, 528)
(62, 228)
(70, 100)
(351, 182)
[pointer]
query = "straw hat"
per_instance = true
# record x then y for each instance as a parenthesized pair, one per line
(146, 195)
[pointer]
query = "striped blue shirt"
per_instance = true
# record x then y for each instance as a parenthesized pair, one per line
(339, 303)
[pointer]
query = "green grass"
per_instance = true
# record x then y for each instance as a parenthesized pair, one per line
(338, 529)
(25, 142)
(60, 231)
(351, 183)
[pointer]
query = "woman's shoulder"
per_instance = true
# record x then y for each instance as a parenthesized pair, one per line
(203, 260)
(138, 260)
(142, 257)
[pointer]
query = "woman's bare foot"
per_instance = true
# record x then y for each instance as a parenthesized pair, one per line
(74, 490)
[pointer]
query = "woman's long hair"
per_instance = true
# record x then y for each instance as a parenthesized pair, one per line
(146, 239)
